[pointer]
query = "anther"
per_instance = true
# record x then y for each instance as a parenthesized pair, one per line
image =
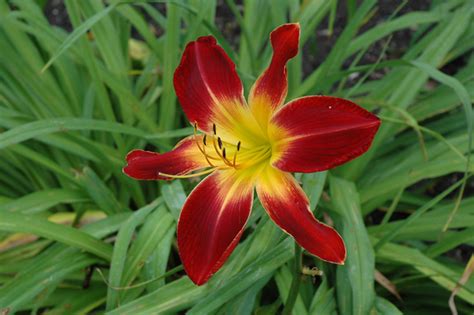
(218, 142)
(223, 153)
(195, 126)
(234, 160)
(214, 129)
(204, 139)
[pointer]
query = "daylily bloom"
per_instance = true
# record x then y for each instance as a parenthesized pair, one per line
(251, 145)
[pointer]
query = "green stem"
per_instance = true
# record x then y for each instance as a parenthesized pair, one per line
(295, 284)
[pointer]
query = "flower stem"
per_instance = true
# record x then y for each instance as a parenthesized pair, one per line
(295, 284)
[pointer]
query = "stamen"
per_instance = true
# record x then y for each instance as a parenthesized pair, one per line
(235, 155)
(218, 147)
(214, 143)
(203, 150)
(188, 175)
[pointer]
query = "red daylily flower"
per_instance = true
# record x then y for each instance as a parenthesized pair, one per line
(251, 145)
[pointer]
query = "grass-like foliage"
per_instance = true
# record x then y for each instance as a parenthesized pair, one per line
(77, 236)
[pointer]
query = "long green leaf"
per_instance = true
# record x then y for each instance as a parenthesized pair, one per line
(355, 279)
(15, 222)
(77, 33)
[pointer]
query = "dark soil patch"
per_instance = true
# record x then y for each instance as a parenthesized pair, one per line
(313, 55)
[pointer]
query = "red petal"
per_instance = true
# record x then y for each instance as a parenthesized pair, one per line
(206, 79)
(184, 158)
(316, 133)
(212, 222)
(270, 90)
(288, 207)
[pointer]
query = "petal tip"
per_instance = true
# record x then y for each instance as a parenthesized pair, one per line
(133, 154)
(285, 40)
(199, 281)
(207, 40)
(198, 278)
(287, 27)
(336, 260)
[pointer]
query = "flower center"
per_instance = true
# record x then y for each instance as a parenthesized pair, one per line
(221, 154)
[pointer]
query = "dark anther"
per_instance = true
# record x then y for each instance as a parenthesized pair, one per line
(238, 146)
(214, 128)
(223, 153)
(204, 140)
(195, 126)
(219, 142)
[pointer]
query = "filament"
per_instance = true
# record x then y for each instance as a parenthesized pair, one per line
(226, 162)
(188, 175)
(235, 154)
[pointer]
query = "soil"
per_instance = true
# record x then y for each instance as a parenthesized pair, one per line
(313, 55)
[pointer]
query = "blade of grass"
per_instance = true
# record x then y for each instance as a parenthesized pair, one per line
(42, 200)
(413, 217)
(167, 117)
(355, 289)
(99, 192)
(122, 243)
(15, 222)
(77, 33)
(466, 101)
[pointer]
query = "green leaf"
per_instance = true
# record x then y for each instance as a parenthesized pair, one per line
(384, 307)
(355, 279)
(122, 243)
(43, 127)
(52, 265)
(99, 192)
(155, 229)
(174, 197)
(313, 184)
(263, 266)
(42, 200)
(283, 278)
(15, 222)
(77, 33)
(439, 273)
(173, 297)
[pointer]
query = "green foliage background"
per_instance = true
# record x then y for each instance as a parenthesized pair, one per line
(73, 104)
